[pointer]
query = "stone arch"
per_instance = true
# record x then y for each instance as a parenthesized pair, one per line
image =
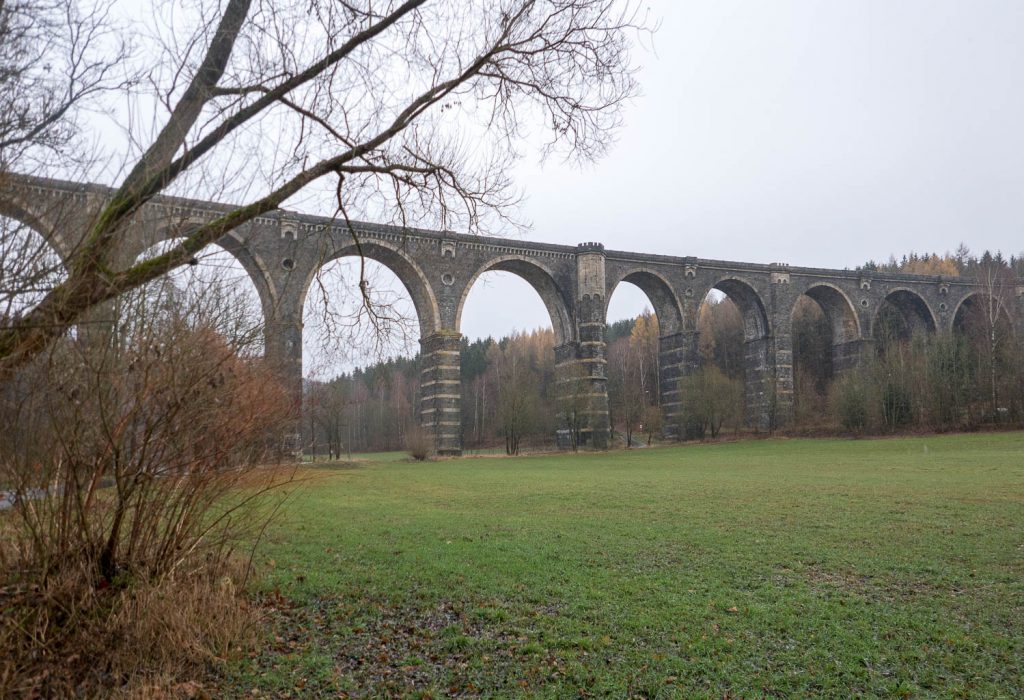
(838, 309)
(257, 271)
(34, 259)
(233, 244)
(212, 265)
(408, 272)
(915, 311)
(15, 209)
(758, 359)
(1003, 312)
(538, 277)
(659, 292)
(820, 355)
(756, 325)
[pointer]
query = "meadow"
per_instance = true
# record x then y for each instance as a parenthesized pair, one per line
(774, 568)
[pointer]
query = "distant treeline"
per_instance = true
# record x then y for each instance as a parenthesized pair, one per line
(956, 264)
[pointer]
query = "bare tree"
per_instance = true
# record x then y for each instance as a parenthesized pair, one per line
(384, 98)
(710, 400)
(55, 60)
(518, 404)
(991, 318)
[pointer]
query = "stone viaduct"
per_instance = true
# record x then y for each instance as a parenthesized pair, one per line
(282, 252)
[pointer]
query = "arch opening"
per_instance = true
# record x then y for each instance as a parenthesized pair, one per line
(748, 303)
(542, 282)
(373, 262)
(979, 313)
(356, 313)
(655, 291)
(984, 340)
(642, 355)
(826, 334)
(360, 335)
(731, 386)
(508, 372)
(901, 315)
(46, 220)
(645, 356)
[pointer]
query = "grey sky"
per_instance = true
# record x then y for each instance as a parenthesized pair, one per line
(813, 133)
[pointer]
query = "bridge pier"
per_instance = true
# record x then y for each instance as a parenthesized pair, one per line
(587, 373)
(582, 396)
(282, 350)
(769, 382)
(678, 357)
(441, 391)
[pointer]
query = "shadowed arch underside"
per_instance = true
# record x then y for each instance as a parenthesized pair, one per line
(751, 306)
(912, 315)
(760, 361)
(662, 298)
(979, 312)
(839, 312)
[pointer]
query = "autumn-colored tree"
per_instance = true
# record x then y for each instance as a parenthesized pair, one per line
(931, 265)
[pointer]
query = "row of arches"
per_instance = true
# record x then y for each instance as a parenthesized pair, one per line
(902, 307)
(914, 311)
(902, 313)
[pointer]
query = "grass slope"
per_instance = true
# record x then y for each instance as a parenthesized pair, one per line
(880, 568)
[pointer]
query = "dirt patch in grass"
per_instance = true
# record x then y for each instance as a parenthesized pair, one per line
(874, 588)
(339, 466)
(380, 649)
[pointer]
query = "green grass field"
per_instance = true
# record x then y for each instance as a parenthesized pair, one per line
(872, 568)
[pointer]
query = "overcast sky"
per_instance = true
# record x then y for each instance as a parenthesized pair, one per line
(813, 133)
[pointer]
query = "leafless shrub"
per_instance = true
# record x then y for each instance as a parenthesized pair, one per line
(418, 445)
(130, 467)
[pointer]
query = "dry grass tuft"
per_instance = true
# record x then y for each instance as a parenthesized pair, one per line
(139, 639)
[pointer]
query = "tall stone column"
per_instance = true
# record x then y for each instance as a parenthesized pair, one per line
(441, 391)
(782, 384)
(758, 371)
(581, 396)
(282, 334)
(570, 404)
(769, 360)
(591, 362)
(769, 382)
(678, 357)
